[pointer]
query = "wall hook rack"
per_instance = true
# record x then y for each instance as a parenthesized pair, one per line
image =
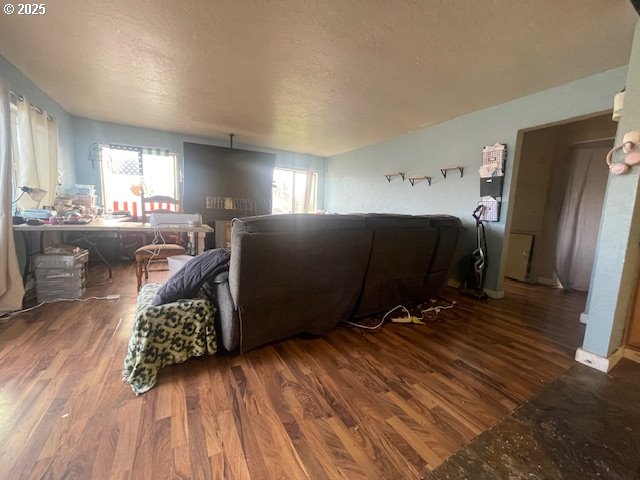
(413, 180)
(445, 170)
(389, 176)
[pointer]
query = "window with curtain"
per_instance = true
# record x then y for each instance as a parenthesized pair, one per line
(124, 169)
(34, 145)
(294, 191)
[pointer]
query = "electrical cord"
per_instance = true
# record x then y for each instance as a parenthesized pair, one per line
(154, 252)
(437, 309)
(158, 239)
(18, 312)
(383, 318)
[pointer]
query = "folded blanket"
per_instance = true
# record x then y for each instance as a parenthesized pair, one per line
(166, 334)
(190, 278)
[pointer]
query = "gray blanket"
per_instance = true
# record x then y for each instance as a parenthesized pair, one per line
(191, 278)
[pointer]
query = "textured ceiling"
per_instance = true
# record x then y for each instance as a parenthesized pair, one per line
(319, 77)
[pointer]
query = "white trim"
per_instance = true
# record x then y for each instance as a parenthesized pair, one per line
(604, 364)
(552, 282)
(452, 282)
(631, 354)
(584, 318)
(494, 293)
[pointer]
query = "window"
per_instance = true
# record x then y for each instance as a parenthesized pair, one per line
(123, 168)
(294, 191)
(34, 143)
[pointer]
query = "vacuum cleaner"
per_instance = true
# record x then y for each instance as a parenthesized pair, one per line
(474, 281)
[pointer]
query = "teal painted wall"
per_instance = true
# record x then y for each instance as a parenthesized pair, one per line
(88, 131)
(355, 180)
(615, 270)
(22, 85)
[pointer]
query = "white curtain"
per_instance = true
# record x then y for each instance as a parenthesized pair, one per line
(36, 155)
(308, 191)
(579, 220)
(11, 289)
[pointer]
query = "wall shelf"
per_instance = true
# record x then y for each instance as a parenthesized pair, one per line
(389, 176)
(445, 170)
(413, 180)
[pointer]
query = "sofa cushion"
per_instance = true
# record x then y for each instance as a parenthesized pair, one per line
(302, 280)
(226, 315)
(448, 231)
(393, 220)
(297, 222)
(402, 251)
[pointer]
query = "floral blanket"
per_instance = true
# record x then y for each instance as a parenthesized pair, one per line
(166, 334)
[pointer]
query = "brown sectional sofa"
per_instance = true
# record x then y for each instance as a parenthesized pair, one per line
(306, 273)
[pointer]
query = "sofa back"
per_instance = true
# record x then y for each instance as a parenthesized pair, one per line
(402, 251)
(448, 231)
(296, 273)
(306, 273)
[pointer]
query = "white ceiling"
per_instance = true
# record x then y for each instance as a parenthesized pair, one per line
(312, 76)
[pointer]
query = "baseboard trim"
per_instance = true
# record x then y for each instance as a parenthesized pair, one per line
(604, 364)
(631, 354)
(584, 318)
(552, 282)
(490, 293)
(494, 293)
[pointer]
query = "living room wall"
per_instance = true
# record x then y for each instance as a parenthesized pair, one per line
(88, 131)
(22, 85)
(76, 134)
(355, 180)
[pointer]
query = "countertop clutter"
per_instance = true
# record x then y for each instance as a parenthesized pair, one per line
(77, 207)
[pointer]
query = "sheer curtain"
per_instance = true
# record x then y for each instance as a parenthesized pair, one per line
(11, 289)
(579, 220)
(308, 192)
(36, 156)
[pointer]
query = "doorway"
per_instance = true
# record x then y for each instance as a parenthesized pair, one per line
(558, 201)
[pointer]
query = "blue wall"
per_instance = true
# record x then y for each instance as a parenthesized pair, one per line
(88, 131)
(615, 272)
(355, 180)
(22, 85)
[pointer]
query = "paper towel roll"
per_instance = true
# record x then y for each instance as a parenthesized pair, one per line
(618, 106)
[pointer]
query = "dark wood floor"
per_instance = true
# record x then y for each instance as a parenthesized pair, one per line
(393, 404)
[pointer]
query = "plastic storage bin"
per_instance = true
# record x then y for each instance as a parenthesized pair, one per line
(60, 260)
(60, 275)
(55, 283)
(177, 262)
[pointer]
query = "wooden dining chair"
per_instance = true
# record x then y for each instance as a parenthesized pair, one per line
(157, 251)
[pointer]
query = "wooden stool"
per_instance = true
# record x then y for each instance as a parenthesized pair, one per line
(160, 251)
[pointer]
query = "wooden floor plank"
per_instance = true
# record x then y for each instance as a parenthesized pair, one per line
(353, 404)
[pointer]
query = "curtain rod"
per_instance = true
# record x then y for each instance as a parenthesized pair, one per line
(37, 109)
